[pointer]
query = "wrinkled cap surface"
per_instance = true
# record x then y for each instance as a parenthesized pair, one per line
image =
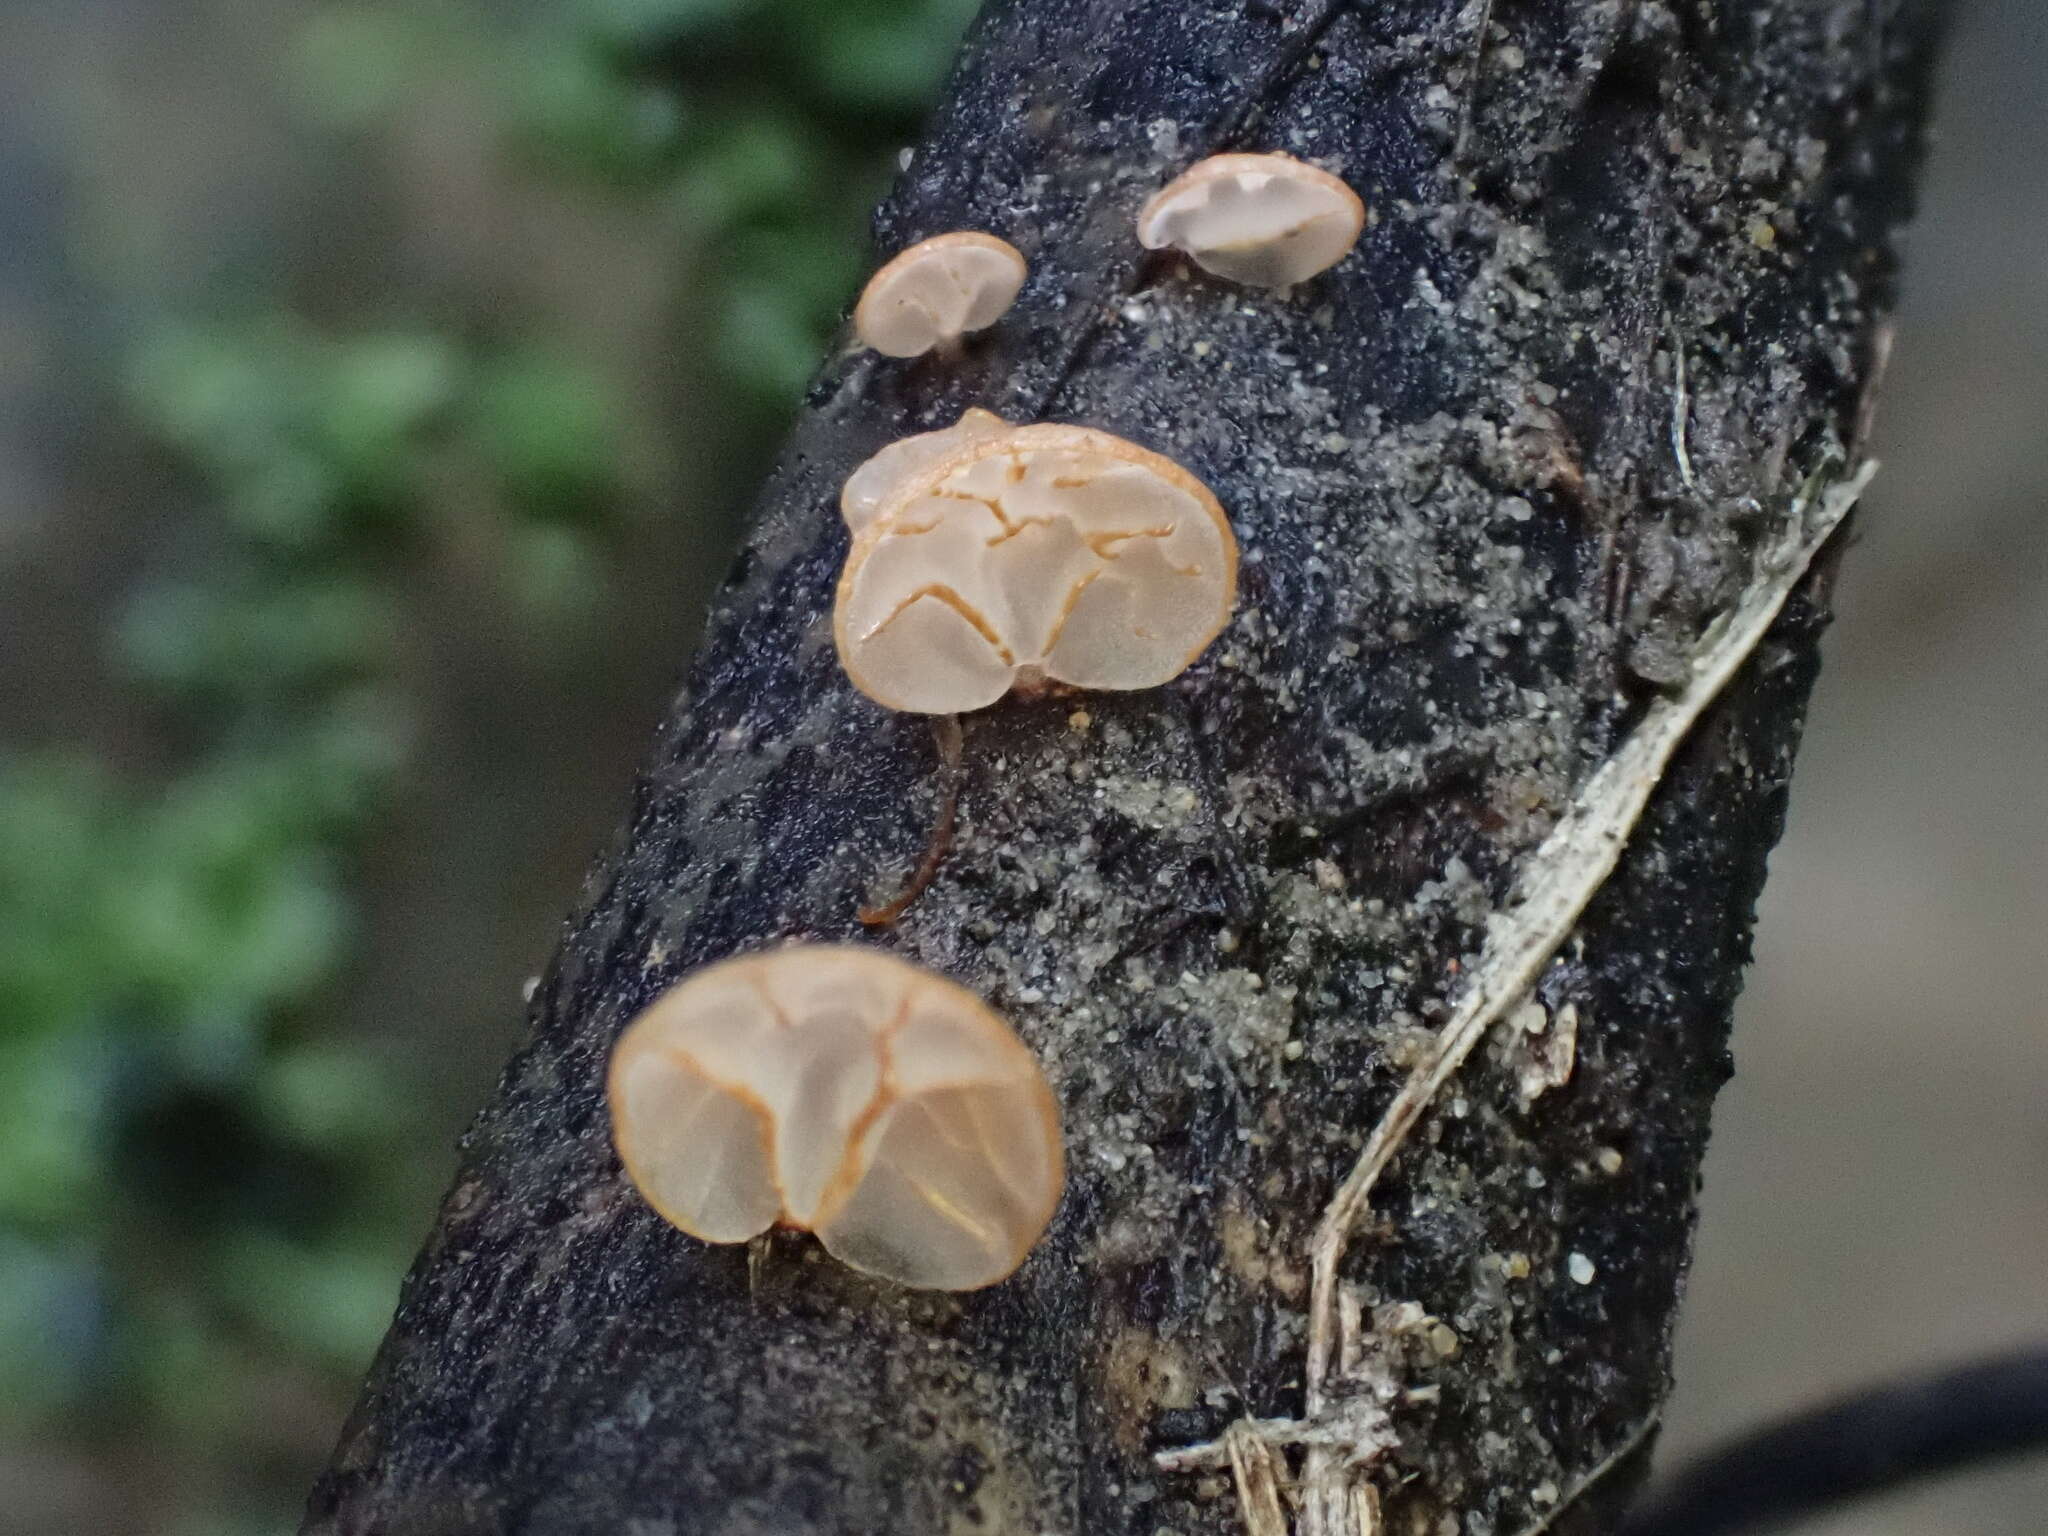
(937, 291)
(847, 1092)
(1046, 551)
(1263, 220)
(868, 488)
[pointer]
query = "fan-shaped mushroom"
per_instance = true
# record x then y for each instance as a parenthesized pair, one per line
(937, 291)
(849, 1093)
(1042, 552)
(1264, 220)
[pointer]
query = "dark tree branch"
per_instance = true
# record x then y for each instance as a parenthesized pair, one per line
(1866, 1444)
(1229, 913)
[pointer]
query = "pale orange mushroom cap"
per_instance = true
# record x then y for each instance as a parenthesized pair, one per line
(1038, 552)
(847, 1092)
(938, 291)
(1264, 220)
(867, 489)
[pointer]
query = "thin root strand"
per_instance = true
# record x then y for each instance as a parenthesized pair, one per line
(946, 732)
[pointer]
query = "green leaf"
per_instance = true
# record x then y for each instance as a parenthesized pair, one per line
(53, 1091)
(377, 394)
(223, 915)
(570, 99)
(257, 642)
(752, 165)
(52, 828)
(330, 1096)
(331, 1303)
(545, 425)
(886, 53)
(639, 23)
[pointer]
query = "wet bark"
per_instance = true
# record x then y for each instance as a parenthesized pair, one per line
(1622, 290)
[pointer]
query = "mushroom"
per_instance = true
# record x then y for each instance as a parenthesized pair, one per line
(1265, 220)
(847, 1093)
(868, 487)
(931, 295)
(1044, 552)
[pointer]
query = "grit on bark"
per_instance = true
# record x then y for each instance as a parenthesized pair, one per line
(1622, 292)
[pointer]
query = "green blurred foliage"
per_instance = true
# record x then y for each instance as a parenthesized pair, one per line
(766, 129)
(205, 1186)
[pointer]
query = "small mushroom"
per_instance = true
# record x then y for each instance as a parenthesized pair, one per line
(869, 486)
(848, 1093)
(1264, 220)
(931, 295)
(1044, 552)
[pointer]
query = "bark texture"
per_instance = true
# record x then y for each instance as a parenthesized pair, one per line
(1621, 292)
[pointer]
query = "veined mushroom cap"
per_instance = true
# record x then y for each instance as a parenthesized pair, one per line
(937, 291)
(1263, 220)
(868, 487)
(844, 1091)
(1049, 551)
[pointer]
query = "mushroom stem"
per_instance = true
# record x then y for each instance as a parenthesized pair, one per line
(947, 733)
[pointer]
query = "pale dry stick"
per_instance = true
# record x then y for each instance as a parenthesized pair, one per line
(1350, 1507)
(1562, 877)
(1250, 1448)
(1630, 1444)
(1681, 414)
(1217, 1453)
(1255, 1467)
(1335, 1432)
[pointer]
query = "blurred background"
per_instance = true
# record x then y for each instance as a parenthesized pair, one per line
(381, 387)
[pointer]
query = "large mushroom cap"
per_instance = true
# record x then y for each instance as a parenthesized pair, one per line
(1046, 551)
(847, 1092)
(938, 291)
(1264, 220)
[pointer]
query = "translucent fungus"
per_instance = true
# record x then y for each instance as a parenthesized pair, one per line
(932, 294)
(848, 1093)
(868, 487)
(1264, 220)
(1039, 553)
